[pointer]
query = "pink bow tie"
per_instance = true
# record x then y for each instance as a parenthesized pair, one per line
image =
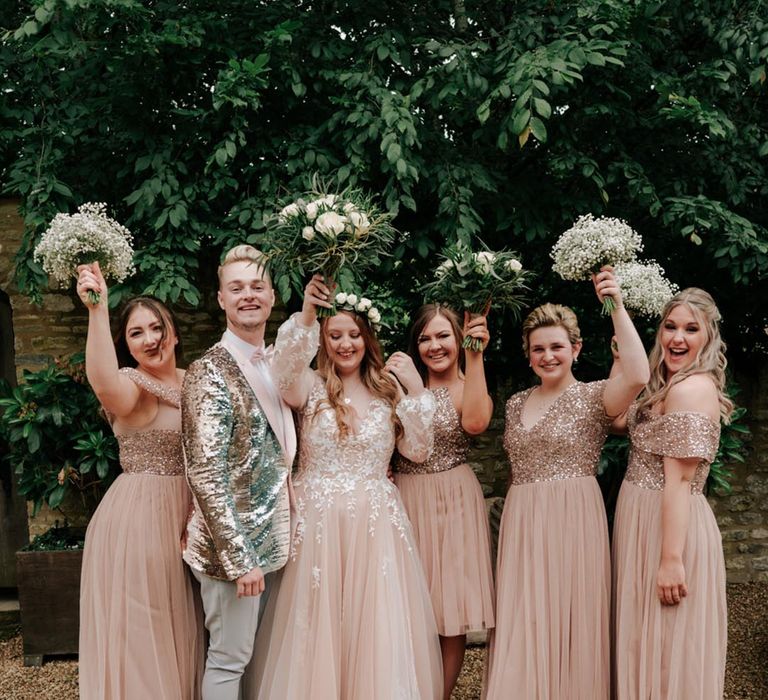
(262, 354)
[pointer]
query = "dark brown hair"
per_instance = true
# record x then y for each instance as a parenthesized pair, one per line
(161, 312)
(420, 320)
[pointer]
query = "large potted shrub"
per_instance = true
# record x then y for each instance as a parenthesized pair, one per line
(64, 457)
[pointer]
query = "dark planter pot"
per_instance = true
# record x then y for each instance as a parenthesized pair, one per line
(49, 598)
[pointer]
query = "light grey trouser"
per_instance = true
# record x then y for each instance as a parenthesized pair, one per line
(231, 623)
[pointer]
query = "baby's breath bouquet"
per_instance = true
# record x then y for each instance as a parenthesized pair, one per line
(83, 238)
(469, 281)
(591, 243)
(339, 235)
(644, 287)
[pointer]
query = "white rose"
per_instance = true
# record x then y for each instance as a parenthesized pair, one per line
(485, 260)
(443, 267)
(360, 222)
(351, 299)
(330, 223)
(514, 265)
(341, 298)
(373, 315)
(308, 233)
(312, 210)
(289, 212)
(349, 207)
(364, 304)
(328, 200)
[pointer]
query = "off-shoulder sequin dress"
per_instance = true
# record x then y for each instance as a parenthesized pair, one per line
(141, 628)
(551, 640)
(351, 618)
(445, 504)
(678, 651)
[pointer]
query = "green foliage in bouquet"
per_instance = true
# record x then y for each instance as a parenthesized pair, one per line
(469, 281)
(339, 235)
(57, 440)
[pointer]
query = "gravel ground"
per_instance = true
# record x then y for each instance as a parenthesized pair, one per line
(746, 675)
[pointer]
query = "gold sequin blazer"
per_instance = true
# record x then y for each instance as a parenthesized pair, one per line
(236, 470)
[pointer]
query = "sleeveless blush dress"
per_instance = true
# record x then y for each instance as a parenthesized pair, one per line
(667, 652)
(551, 640)
(141, 628)
(445, 505)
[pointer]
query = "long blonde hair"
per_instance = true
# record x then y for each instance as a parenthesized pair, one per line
(710, 359)
(371, 373)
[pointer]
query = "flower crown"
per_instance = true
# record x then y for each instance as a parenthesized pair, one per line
(361, 305)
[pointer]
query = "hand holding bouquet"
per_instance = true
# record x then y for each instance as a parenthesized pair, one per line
(644, 287)
(83, 238)
(337, 235)
(592, 243)
(473, 282)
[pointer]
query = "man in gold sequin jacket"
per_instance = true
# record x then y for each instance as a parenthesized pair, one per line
(239, 444)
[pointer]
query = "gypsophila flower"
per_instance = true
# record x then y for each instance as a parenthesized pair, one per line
(644, 287)
(85, 237)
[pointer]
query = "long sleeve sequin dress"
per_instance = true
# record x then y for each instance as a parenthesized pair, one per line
(141, 627)
(666, 652)
(445, 505)
(351, 617)
(551, 640)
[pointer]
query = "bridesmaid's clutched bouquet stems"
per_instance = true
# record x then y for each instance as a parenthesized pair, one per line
(592, 243)
(339, 235)
(86, 237)
(470, 281)
(644, 287)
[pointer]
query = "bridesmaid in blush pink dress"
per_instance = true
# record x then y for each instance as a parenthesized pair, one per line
(351, 618)
(141, 632)
(551, 639)
(442, 495)
(669, 612)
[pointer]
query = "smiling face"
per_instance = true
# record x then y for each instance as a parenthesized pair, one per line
(551, 353)
(144, 333)
(344, 343)
(245, 295)
(438, 347)
(682, 337)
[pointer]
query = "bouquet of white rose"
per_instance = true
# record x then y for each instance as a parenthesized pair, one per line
(83, 238)
(591, 243)
(644, 287)
(469, 281)
(338, 235)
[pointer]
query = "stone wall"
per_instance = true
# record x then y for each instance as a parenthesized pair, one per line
(58, 328)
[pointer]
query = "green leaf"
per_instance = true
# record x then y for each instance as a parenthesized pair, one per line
(542, 107)
(521, 121)
(538, 129)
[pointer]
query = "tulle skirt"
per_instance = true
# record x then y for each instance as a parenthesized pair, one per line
(141, 629)
(667, 652)
(351, 617)
(551, 640)
(450, 524)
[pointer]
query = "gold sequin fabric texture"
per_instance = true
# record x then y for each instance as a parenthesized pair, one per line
(451, 442)
(152, 450)
(680, 434)
(236, 470)
(565, 443)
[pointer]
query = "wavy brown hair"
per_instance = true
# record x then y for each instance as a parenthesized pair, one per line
(381, 385)
(710, 359)
(160, 311)
(421, 318)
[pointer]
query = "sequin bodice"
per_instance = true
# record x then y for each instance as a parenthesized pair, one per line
(451, 442)
(680, 434)
(564, 443)
(156, 447)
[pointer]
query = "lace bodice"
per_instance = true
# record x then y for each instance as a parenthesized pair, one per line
(564, 443)
(453, 443)
(154, 448)
(680, 434)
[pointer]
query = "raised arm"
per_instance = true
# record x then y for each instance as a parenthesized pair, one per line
(696, 394)
(116, 392)
(476, 405)
(296, 345)
(630, 375)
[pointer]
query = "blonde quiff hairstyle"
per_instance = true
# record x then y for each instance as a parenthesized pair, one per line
(381, 385)
(548, 315)
(243, 253)
(710, 360)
